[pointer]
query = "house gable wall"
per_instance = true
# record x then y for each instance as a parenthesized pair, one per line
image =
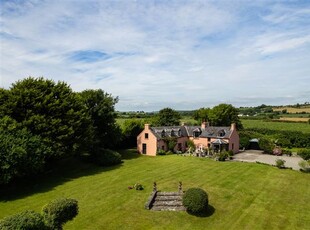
(151, 142)
(234, 141)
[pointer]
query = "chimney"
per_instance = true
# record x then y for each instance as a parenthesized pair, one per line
(183, 123)
(203, 125)
(233, 126)
(146, 126)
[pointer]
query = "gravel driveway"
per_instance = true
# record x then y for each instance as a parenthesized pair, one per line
(255, 155)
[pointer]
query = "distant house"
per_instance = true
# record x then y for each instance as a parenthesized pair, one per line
(152, 139)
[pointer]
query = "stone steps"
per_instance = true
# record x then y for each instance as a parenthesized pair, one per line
(165, 198)
(168, 208)
(170, 201)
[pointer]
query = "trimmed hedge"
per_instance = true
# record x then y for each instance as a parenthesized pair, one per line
(195, 200)
(59, 211)
(28, 220)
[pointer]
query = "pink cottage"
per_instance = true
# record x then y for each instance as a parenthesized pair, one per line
(151, 139)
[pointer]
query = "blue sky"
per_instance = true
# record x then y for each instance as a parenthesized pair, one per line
(156, 54)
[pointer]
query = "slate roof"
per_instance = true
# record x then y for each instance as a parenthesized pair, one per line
(187, 131)
(169, 131)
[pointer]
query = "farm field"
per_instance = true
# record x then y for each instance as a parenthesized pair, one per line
(303, 127)
(241, 195)
(296, 119)
(305, 109)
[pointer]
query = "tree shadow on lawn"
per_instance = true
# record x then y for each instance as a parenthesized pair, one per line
(209, 212)
(129, 154)
(62, 172)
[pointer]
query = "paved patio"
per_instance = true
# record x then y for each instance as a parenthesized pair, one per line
(255, 155)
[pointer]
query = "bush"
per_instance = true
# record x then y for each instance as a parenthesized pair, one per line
(280, 163)
(266, 145)
(59, 211)
(304, 165)
(107, 157)
(195, 200)
(29, 220)
(287, 152)
(304, 153)
(161, 152)
(223, 156)
(138, 186)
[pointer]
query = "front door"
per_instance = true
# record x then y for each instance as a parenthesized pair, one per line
(144, 148)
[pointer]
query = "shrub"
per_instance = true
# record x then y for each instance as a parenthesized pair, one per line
(304, 165)
(223, 156)
(161, 152)
(29, 220)
(266, 145)
(195, 200)
(138, 186)
(107, 157)
(59, 211)
(287, 152)
(304, 153)
(280, 163)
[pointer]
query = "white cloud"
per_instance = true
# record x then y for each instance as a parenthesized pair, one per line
(182, 54)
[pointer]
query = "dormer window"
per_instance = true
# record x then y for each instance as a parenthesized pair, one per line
(163, 133)
(221, 133)
(179, 132)
(196, 133)
(172, 133)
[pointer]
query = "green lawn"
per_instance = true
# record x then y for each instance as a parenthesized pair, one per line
(303, 127)
(241, 195)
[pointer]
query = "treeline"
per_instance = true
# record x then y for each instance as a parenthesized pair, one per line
(42, 121)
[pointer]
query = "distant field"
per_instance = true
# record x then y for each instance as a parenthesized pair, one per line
(293, 110)
(299, 119)
(303, 127)
(241, 195)
(295, 115)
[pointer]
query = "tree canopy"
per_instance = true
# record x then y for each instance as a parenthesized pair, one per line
(220, 115)
(167, 116)
(42, 121)
(100, 108)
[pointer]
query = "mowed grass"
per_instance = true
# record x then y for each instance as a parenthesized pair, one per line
(241, 195)
(303, 127)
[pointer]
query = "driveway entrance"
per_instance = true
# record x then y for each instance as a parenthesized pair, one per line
(257, 155)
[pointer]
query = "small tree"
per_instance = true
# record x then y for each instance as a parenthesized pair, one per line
(171, 143)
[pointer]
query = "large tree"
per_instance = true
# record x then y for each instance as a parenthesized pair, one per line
(224, 115)
(167, 117)
(100, 108)
(131, 128)
(21, 152)
(202, 114)
(50, 110)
